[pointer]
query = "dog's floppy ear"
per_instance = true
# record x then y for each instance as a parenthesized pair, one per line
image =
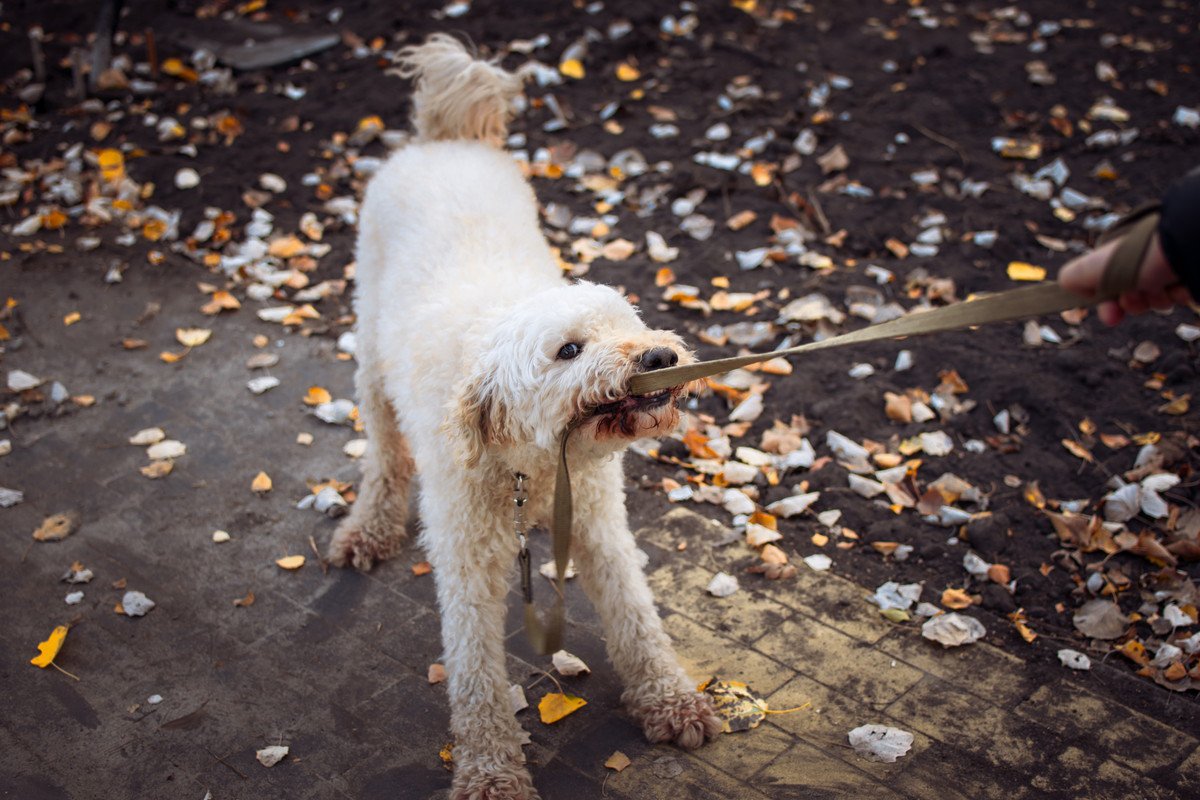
(477, 420)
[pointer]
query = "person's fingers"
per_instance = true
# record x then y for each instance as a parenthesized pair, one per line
(1180, 295)
(1109, 313)
(1133, 303)
(1158, 300)
(1082, 275)
(1155, 273)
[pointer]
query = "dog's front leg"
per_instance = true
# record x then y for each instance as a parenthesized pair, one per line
(472, 556)
(658, 692)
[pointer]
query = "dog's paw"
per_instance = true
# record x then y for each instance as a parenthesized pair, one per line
(352, 547)
(685, 718)
(498, 782)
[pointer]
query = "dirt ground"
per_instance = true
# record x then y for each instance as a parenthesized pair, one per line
(849, 138)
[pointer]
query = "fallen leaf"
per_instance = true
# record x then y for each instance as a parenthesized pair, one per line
(48, 650)
(554, 706)
(317, 396)
(1078, 450)
(1100, 619)
(953, 630)
(1020, 271)
(880, 743)
(192, 337)
(568, 664)
(436, 674)
(270, 756)
(157, 469)
(736, 704)
(572, 68)
(290, 562)
(617, 761)
(261, 483)
(422, 568)
(956, 599)
(245, 602)
(57, 527)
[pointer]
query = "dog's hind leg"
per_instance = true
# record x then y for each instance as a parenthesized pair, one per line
(658, 693)
(374, 529)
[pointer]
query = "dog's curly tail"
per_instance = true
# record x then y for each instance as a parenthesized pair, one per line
(457, 96)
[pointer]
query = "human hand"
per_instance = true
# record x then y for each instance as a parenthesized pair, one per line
(1157, 285)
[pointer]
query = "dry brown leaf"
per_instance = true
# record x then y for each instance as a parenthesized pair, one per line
(422, 568)
(247, 601)
(956, 599)
(158, 469)
(437, 673)
(57, 527)
(898, 407)
(617, 761)
(261, 483)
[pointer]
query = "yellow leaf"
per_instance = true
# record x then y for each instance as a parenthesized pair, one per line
(736, 704)
(48, 650)
(72, 318)
(112, 164)
(192, 337)
(627, 72)
(316, 396)
(555, 705)
(1020, 271)
(290, 562)
(262, 484)
(446, 754)
(168, 357)
(572, 68)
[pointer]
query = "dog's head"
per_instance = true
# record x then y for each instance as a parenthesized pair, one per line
(564, 357)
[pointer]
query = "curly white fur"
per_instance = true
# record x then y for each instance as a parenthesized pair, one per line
(462, 312)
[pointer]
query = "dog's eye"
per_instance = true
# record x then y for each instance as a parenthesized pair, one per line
(569, 351)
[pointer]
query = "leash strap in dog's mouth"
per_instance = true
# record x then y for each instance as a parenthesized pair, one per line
(1120, 275)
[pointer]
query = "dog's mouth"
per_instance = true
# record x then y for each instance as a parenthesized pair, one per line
(635, 403)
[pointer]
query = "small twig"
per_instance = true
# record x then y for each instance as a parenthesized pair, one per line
(152, 53)
(39, 59)
(942, 140)
(826, 228)
(551, 677)
(222, 760)
(77, 63)
(63, 671)
(320, 559)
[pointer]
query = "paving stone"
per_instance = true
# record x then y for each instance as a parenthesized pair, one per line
(669, 774)
(808, 772)
(705, 653)
(980, 669)
(831, 657)
(744, 615)
(1133, 739)
(826, 717)
(952, 716)
(1088, 773)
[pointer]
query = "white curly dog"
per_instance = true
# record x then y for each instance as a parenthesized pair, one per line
(474, 355)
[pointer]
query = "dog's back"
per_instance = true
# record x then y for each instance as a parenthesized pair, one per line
(449, 225)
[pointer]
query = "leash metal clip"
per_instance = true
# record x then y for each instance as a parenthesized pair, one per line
(520, 498)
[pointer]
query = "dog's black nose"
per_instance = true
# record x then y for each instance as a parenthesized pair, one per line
(658, 358)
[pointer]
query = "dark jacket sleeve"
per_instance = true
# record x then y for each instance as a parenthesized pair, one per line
(1179, 230)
